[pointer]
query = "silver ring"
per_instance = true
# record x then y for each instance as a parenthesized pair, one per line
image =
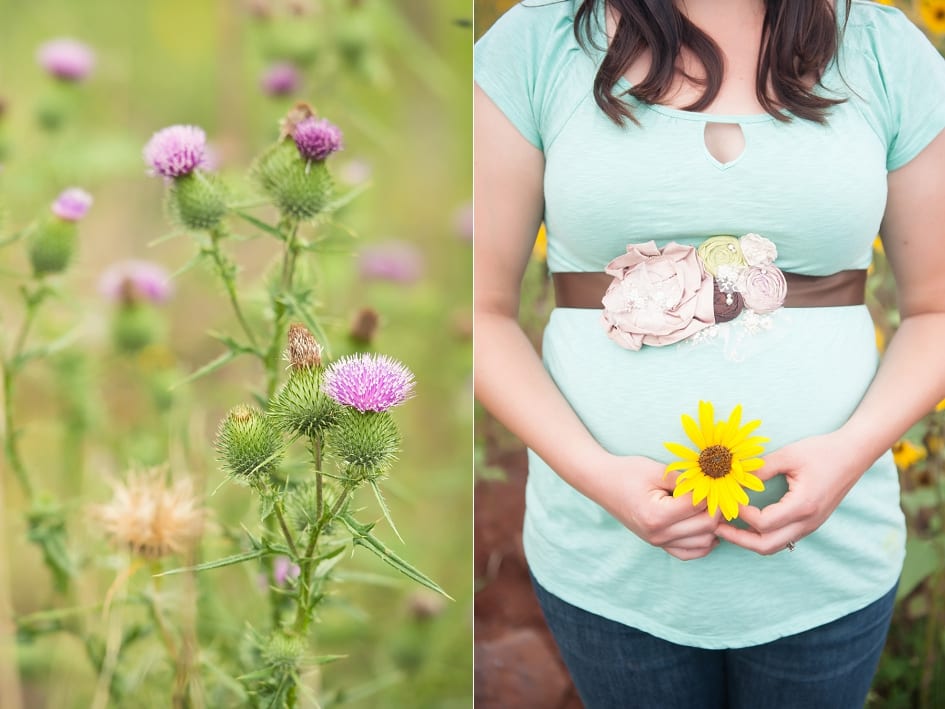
(791, 546)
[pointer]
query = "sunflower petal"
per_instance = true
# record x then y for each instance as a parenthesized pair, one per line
(738, 494)
(683, 487)
(693, 431)
(682, 465)
(727, 503)
(746, 451)
(734, 421)
(700, 489)
(746, 431)
(751, 464)
(751, 482)
(681, 451)
(707, 422)
(713, 496)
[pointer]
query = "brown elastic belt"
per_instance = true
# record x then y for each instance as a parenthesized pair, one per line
(585, 289)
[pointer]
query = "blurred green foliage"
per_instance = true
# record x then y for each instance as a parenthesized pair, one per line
(395, 77)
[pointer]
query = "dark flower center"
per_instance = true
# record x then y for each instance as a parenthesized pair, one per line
(716, 461)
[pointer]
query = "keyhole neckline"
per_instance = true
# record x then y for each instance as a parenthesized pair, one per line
(623, 85)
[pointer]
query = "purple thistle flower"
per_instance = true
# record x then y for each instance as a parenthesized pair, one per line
(395, 261)
(317, 138)
(283, 569)
(129, 281)
(66, 59)
(176, 151)
(281, 79)
(72, 204)
(369, 382)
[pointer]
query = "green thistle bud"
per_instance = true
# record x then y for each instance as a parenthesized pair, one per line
(300, 189)
(197, 200)
(284, 650)
(303, 506)
(249, 446)
(135, 326)
(301, 407)
(367, 442)
(52, 244)
(294, 41)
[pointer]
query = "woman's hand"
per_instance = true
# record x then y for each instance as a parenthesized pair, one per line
(820, 471)
(638, 495)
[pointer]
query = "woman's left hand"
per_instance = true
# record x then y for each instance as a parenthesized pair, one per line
(820, 471)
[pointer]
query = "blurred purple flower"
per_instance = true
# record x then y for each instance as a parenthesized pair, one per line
(281, 79)
(283, 569)
(355, 171)
(72, 204)
(66, 59)
(395, 261)
(463, 221)
(129, 281)
(368, 382)
(317, 138)
(176, 151)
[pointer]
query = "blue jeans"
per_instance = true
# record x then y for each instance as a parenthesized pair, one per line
(618, 667)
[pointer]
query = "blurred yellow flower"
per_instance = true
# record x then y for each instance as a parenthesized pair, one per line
(722, 464)
(932, 13)
(878, 245)
(540, 249)
(907, 454)
(940, 406)
(880, 340)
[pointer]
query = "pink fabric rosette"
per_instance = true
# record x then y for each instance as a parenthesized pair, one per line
(657, 297)
(763, 288)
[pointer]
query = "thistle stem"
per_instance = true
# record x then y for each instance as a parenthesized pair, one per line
(11, 367)
(229, 283)
(155, 610)
(290, 228)
(302, 615)
(286, 532)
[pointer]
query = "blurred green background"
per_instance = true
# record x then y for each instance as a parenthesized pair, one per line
(395, 77)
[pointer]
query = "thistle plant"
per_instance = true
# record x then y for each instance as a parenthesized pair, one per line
(68, 62)
(51, 243)
(340, 410)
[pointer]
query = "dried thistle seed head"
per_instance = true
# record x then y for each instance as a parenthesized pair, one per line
(303, 351)
(364, 326)
(151, 519)
(249, 445)
(299, 112)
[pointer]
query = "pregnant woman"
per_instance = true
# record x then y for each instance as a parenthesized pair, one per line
(712, 174)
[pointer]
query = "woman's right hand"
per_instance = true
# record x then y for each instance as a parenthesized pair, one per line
(634, 490)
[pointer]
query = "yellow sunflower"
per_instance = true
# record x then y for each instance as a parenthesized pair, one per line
(723, 462)
(932, 13)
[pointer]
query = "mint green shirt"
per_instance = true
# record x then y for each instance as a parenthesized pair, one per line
(819, 193)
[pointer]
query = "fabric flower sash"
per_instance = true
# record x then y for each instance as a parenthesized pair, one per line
(661, 296)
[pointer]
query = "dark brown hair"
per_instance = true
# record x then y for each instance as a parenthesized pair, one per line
(799, 39)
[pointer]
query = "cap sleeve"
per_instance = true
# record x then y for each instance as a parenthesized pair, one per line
(912, 76)
(507, 66)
